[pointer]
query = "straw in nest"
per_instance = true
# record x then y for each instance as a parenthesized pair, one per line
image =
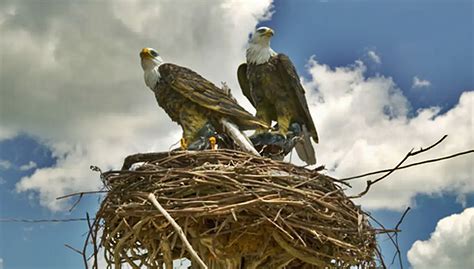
(235, 209)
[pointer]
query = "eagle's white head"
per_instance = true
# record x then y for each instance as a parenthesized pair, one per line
(150, 60)
(259, 51)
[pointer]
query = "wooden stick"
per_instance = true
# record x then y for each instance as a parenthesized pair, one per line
(239, 138)
(178, 229)
(409, 165)
(408, 155)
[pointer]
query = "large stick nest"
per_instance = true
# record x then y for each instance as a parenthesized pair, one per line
(237, 210)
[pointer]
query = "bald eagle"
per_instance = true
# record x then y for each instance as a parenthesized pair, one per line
(270, 82)
(194, 102)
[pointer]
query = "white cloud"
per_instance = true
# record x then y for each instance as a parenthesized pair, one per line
(28, 166)
(374, 57)
(1, 263)
(451, 245)
(364, 126)
(5, 164)
(78, 64)
(72, 76)
(6, 133)
(2, 181)
(420, 83)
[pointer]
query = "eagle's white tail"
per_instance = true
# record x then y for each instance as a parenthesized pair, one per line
(239, 138)
(304, 148)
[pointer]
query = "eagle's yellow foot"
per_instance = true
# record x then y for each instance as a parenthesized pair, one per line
(184, 144)
(284, 133)
(260, 131)
(213, 142)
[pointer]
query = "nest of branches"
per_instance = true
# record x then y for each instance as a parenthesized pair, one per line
(234, 209)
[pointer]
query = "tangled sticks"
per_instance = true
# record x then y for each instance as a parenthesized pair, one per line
(237, 210)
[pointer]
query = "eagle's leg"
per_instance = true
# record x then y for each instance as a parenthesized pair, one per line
(263, 113)
(192, 120)
(183, 143)
(284, 120)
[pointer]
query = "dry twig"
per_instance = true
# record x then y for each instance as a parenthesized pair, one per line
(178, 229)
(408, 155)
(232, 206)
(409, 165)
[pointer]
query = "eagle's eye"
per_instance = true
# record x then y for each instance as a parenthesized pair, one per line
(154, 53)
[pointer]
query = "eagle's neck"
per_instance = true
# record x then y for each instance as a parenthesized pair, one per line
(152, 76)
(259, 53)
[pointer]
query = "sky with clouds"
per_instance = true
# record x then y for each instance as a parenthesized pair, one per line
(382, 77)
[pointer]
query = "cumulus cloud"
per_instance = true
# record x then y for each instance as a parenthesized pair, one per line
(451, 245)
(364, 125)
(374, 57)
(5, 164)
(420, 83)
(28, 166)
(72, 78)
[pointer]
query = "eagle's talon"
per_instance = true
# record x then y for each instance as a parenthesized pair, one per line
(183, 143)
(213, 142)
(260, 131)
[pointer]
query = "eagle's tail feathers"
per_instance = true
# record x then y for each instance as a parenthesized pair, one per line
(238, 137)
(305, 149)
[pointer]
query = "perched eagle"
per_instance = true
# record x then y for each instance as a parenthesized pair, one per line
(270, 82)
(194, 102)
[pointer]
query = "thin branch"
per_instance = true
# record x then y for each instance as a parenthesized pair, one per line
(402, 217)
(73, 249)
(408, 155)
(84, 249)
(93, 236)
(77, 202)
(42, 220)
(383, 227)
(432, 146)
(410, 165)
(79, 193)
(379, 254)
(178, 229)
(398, 253)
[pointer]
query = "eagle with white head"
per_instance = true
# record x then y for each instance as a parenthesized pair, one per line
(270, 82)
(194, 102)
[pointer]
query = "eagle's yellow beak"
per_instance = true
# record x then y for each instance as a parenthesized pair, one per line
(269, 32)
(145, 53)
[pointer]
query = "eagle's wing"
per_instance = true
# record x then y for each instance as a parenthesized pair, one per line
(292, 82)
(244, 83)
(203, 92)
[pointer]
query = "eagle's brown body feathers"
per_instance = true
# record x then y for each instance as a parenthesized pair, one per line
(192, 101)
(275, 91)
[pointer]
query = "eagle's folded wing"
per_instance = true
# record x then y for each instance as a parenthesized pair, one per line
(292, 82)
(244, 83)
(203, 92)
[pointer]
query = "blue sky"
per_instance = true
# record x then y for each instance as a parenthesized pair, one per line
(82, 110)
(414, 38)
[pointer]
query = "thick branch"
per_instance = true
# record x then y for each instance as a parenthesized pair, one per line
(178, 229)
